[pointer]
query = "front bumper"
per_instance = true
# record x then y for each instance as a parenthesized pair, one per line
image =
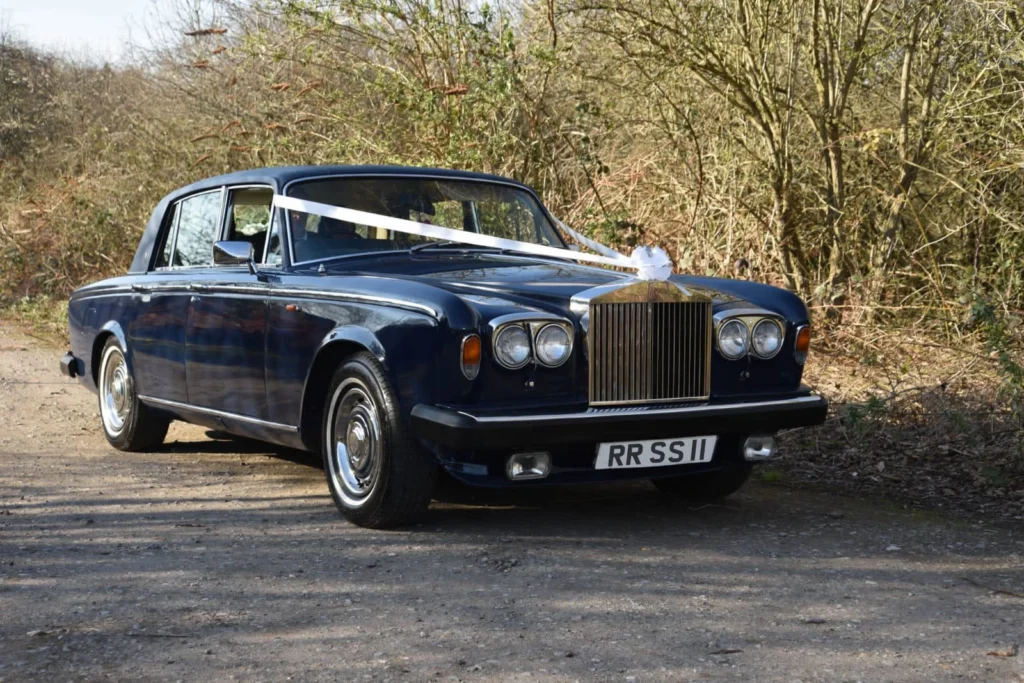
(463, 430)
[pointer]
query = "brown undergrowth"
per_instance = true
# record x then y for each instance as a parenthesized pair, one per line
(914, 420)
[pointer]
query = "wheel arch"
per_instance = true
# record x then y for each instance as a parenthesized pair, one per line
(340, 344)
(111, 329)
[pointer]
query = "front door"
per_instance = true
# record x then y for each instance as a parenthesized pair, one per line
(227, 322)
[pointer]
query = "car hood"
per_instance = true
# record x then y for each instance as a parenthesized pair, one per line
(520, 280)
(491, 282)
(533, 280)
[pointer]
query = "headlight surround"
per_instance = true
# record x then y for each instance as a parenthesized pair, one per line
(733, 339)
(512, 346)
(766, 339)
(553, 345)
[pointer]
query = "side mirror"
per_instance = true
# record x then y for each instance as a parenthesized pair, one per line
(234, 254)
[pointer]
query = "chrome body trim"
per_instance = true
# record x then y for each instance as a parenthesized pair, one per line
(160, 402)
(630, 291)
(271, 293)
(358, 298)
(540, 316)
(596, 415)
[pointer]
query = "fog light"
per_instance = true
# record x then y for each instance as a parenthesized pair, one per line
(758, 447)
(528, 466)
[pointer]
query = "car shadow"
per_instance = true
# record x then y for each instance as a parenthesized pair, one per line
(221, 443)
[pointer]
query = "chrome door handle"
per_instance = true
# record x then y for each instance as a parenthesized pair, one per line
(199, 288)
(142, 288)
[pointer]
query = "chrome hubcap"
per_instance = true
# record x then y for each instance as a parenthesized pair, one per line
(355, 442)
(115, 391)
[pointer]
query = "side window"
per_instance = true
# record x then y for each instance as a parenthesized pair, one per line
(198, 222)
(164, 258)
(249, 218)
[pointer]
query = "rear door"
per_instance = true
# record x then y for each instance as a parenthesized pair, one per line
(225, 334)
(157, 333)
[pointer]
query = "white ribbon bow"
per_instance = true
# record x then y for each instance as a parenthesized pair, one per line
(651, 263)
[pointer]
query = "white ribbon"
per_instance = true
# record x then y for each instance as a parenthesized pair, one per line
(651, 263)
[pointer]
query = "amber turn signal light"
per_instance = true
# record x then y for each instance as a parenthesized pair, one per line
(803, 343)
(472, 351)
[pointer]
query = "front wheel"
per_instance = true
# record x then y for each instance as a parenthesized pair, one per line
(127, 423)
(378, 476)
(706, 486)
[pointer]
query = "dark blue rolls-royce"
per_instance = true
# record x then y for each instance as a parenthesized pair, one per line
(359, 334)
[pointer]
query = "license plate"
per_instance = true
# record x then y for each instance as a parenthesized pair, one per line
(655, 453)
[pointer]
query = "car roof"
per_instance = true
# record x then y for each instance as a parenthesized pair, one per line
(279, 176)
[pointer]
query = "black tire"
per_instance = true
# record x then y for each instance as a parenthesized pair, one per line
(378, 475)
(127, 423)
(706, 486)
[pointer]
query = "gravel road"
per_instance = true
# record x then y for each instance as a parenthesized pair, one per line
(225, 560)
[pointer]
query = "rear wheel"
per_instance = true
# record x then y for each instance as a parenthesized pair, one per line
(127, 424)
(378, 476)
(706, 486)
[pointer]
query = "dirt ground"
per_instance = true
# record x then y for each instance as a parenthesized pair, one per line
(225, 560)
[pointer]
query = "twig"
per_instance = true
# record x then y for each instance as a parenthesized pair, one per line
(989, 588)
(157, 635)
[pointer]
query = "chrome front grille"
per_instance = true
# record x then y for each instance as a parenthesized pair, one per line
(649, 352)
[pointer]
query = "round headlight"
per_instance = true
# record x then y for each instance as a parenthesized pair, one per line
(553, 345)
(512, 347)
(733, 338)
(767, 338)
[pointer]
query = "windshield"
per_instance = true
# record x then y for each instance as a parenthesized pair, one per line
(486, 208)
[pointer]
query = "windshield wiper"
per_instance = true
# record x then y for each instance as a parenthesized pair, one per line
(444, 244)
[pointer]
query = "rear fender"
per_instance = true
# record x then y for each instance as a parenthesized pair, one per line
(111, 328)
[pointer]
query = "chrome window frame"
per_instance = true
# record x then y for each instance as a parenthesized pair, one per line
(177, 220)
(421, 176)
(171, 238)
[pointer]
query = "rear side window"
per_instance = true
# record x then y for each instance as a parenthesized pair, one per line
(198, 223)
(164, 259)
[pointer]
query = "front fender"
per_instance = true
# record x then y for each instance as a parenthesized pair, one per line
(360, 336)
(341, 341)
(338, 344)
